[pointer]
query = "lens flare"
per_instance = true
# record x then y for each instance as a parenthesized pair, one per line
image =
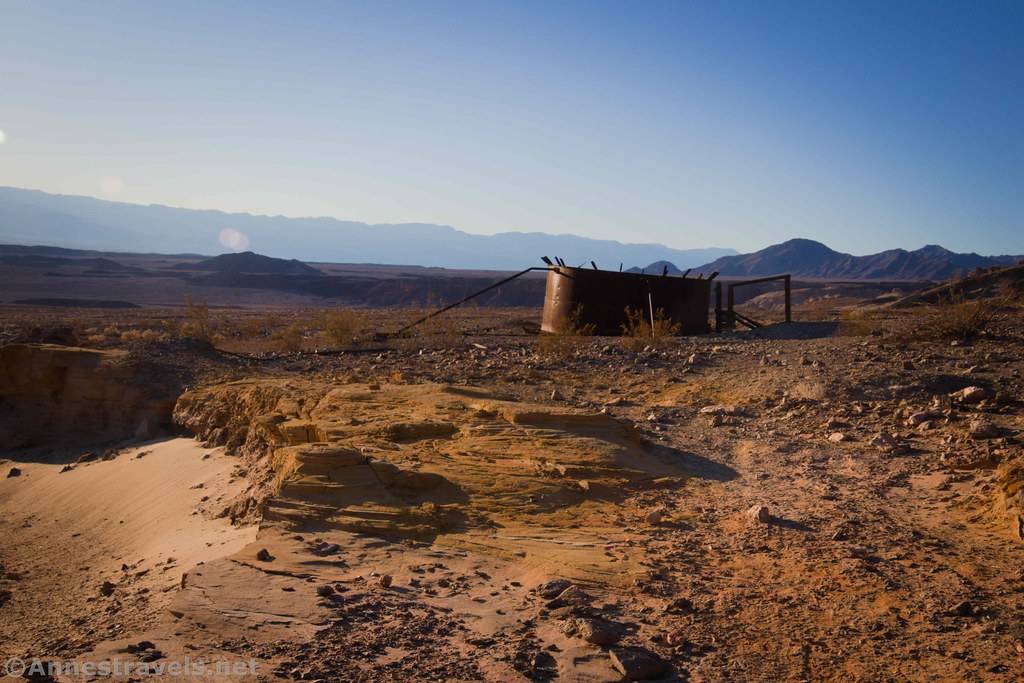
(233, 239)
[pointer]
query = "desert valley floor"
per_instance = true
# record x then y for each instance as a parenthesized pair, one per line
(811, 502)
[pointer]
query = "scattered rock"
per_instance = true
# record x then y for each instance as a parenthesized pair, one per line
(983, 429)
(637, 664)
(973, 395)
(885, 443)
(264, 555)
(573, 595)
(923, 416)
(325, 590)
(596, 631)
(731, 410)
(384, 581)
(836, 437)
(107, 588)
(551, 589)
(760, 513)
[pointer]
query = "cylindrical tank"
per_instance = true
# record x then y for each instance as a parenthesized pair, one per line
(602, 296)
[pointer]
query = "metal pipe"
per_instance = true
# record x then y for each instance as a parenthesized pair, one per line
(471, 296)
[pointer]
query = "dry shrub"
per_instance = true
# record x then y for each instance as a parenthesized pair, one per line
(343, 327)
(290, 338)
(257, 326)
(638, 331)
(955, 317)
(441, 331)
(860, 322)
(147, 335)
(198, 323)
(568, 337)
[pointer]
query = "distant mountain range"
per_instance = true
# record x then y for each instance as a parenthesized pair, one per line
(34, 217)
(807, 258)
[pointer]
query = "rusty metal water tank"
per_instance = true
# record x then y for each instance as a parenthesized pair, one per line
(603, 296)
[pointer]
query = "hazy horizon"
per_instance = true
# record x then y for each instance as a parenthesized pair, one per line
(865, 126)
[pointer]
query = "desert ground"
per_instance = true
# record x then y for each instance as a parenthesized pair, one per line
(834, 499)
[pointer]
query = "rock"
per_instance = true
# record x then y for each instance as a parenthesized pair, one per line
(760, 513)
(973, 395)
(13, 472)
(597, 631)
(584, 484)
(384, 581)
(923, 416)
(836, 437)
(325, 590)
(884, 442)
(551, 589)
(323, 549)
(680, 606)
(573, 595)
(722, 410)
(107, 588)
(654, 517)
(638, 664)
(983, 429)
(556, 395)
(963, 609)
(676, 638)
(264, 555)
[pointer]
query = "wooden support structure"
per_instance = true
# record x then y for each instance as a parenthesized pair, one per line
(726, 319)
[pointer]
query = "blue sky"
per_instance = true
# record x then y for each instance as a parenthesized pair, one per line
(864, 125)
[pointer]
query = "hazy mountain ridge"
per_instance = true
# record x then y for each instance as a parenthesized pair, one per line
(808, 258)
(33, 217)
(250, 262)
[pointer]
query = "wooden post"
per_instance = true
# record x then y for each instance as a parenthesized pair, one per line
(718, 306)
(789, 307)
(730, 321)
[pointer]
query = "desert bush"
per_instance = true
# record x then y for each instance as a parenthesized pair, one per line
(147, 335)
(442, 331)
(290, 338)
(860, 322)
(343, 327)
(198, 323)
(255, 326)
(638, 330)
(956, 317)
(568, 337)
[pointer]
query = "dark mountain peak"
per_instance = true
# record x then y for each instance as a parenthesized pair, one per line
(808, 258)
(657, 268)
(251, 262)
(803, 245)
(933, 251)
